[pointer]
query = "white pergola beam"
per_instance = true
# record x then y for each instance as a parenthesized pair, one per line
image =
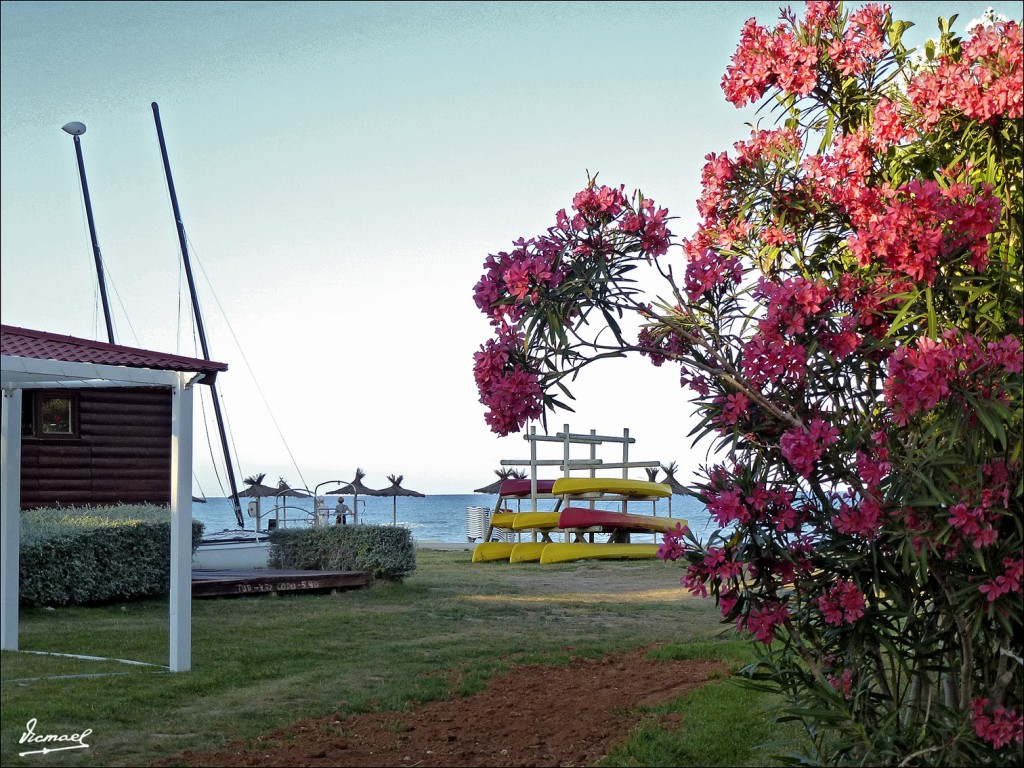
(10, 518)
(181, 527)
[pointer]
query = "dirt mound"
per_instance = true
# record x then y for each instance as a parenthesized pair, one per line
(535, 715)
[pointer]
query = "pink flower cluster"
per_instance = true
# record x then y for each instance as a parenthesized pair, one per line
(984, 83)
(802, 447)
(518, 277)
(842, 602)
(1006, 583)
(763, 621)
(711, 271)
(974, 524)
(660, 345)
(762, 504)
(768, 358)
(921, 377)
(843, 684)
(859, 516)
(511, 392)
(715, 568)
(792, 305)
(915, 229)
(734, 408)
(999, 727)
(790, 56)
(673, 546)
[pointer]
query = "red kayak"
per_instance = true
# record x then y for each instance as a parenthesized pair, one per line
(581, 517)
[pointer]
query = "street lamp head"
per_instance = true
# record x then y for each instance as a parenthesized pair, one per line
(75, 129)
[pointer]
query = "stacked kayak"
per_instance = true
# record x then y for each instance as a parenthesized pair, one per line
(580, 520)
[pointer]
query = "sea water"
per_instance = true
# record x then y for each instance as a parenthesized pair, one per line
(438, 517)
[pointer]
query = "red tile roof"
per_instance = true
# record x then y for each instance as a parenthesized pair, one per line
(22, 342)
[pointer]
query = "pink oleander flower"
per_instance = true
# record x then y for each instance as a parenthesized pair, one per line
(974, 524)
(728, 506)
(985, 84)
(673, 546)
(802, 447)
(751, 72)
(597, 201)
(727, 602)
(734, 406)
(709, 272)
(843, 684)
(1006, 583)
(859, 517)
(843, 602)
(923, 376)
(763, 621)
(768, 357)
(999, 727)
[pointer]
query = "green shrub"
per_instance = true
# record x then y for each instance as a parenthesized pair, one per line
(78, 556)
(385, 551)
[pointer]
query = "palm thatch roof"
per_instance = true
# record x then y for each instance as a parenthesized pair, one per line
(394, 491)
(670, 479)
(355, 488)
(503, 475)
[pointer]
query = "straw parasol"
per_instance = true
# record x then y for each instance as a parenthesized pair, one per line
(503, 475)
(652, 474)
(671, 481)
(255, 489)
(356, 489)
(394, 491)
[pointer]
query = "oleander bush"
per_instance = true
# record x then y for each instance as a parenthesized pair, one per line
(87, 555)
(847, 322)
(383, 550)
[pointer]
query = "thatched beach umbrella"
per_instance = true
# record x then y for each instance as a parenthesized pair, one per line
(356, 489)
(255, 489)
(652, 474)
(394, 491)
(503, 475)
(670, 479)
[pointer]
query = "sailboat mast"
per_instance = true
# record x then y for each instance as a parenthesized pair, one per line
(77, 129)
(198, 315)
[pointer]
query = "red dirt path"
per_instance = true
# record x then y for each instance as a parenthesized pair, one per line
(536, 715)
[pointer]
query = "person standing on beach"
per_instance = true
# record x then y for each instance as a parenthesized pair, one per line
(341, 512)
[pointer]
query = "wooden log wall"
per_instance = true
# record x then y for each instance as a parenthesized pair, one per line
(122, 453)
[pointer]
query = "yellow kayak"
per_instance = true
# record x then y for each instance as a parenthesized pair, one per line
(617, 486)
(525, 521)
(527, 551)
(491, 551)
(565, 553)
(503, 519)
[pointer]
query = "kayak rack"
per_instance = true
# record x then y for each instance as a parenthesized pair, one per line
(505, 524)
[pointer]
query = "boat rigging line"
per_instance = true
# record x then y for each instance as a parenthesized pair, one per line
(248, 367)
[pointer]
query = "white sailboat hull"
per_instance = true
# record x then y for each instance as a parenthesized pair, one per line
(231, 550)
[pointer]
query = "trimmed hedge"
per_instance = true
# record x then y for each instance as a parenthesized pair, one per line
(80, 556)
(385, 551)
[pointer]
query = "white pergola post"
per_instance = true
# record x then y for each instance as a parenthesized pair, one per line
(181, 526)
(10, 517)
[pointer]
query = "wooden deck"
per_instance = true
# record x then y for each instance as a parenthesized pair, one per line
(257, 581)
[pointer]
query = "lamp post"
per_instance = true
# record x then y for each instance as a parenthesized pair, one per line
(76, 130)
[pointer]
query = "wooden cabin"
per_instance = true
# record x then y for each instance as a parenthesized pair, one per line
(96, 445)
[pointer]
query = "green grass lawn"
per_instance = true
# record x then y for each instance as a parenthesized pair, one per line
(262, 662)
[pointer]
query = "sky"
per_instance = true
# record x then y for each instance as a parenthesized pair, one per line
(343, 170)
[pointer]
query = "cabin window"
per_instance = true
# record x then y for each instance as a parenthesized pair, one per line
(49, 415)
